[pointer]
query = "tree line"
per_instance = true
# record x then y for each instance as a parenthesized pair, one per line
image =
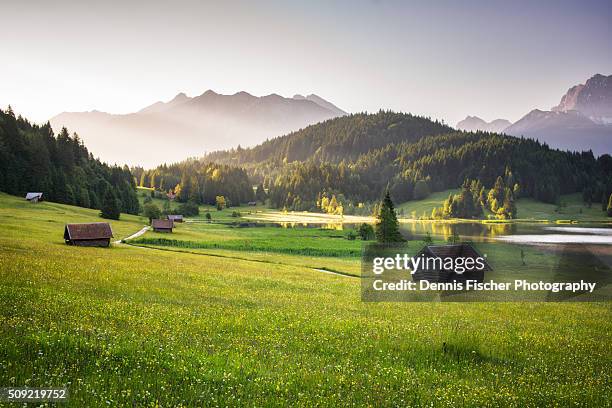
(34, 159)
(357, 157)
(200, 182)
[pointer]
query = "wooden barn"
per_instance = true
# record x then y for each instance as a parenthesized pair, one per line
(34, 197)
(443, 252)
(90, 234)
(175, 217)
(162, 225)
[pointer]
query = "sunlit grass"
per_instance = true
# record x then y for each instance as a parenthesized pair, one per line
(134, 326)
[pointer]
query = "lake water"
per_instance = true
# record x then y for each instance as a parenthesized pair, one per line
(518, 233)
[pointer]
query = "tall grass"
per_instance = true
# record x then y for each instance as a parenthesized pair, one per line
(256, 246)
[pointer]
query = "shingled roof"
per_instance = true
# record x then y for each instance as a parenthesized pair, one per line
(94, 230)
(162, 224)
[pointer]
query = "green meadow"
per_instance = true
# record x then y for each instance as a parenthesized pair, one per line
(219, 315)
(570, 208)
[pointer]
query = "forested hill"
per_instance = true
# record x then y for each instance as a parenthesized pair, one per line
(335, 140)
(33, 159)
(355, 158)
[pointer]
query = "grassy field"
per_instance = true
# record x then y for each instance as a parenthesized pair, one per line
(422, 208)
(145, 327)
(570, 207)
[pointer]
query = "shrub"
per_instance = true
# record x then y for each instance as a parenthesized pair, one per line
(189, 209)
(151, 211)
(366, 232)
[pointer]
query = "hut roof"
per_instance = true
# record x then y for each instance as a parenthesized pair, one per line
(94, 230)
(175, 217)
(30, 196)
(162, 224)
(463, 250)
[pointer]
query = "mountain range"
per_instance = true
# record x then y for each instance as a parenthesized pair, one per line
(166, 132)
(582, 119)
(474, 123)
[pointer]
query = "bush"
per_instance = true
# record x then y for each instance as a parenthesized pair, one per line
(366, 232)
(220, 202)
(189, 209)
(351, 235)
(151, 211)
(236, 214)
(427, 240)
(208, 216)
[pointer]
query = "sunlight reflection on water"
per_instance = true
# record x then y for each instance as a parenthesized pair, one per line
(558, 239)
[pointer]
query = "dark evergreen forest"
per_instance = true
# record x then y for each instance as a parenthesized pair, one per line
(356, 158)
(33, 159)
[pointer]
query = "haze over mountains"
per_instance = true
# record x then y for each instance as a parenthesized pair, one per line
(581, 121)
(473, 123)
(166, 132)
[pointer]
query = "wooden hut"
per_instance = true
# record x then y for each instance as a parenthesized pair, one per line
(439, 274)
(34, 197)
(90, 234)
(175, 217)
(162, 225)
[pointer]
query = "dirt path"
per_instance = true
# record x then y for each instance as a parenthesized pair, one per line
(135, 235)
(334, 273)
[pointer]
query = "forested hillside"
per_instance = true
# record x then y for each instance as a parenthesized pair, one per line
(336, 140)
(353, 159)
(193, 180)
(33, 159)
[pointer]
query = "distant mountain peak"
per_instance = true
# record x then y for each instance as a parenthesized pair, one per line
(321, 102)
(209, 92)
(181, 95)
(474, 123)
(190, 126)
(593, 99)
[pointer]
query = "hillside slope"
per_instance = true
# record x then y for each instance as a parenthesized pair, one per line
(357, 157)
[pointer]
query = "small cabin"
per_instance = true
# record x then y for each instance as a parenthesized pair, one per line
(34, 197)
(175, 217)
(162, 225)
(252, 203)
(437, 273)
(90, 234)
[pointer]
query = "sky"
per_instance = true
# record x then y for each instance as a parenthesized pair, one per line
(442, 59)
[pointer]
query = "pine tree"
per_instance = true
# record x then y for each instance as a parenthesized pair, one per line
(110, 206)
(609, 209)
(260, 193)
(387, 227)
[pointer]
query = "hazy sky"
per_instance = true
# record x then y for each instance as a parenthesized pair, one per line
(434, 58)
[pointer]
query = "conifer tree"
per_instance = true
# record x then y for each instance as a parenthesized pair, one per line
(260, 193)
(110, 206)
(609, 209)
(387, 227)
